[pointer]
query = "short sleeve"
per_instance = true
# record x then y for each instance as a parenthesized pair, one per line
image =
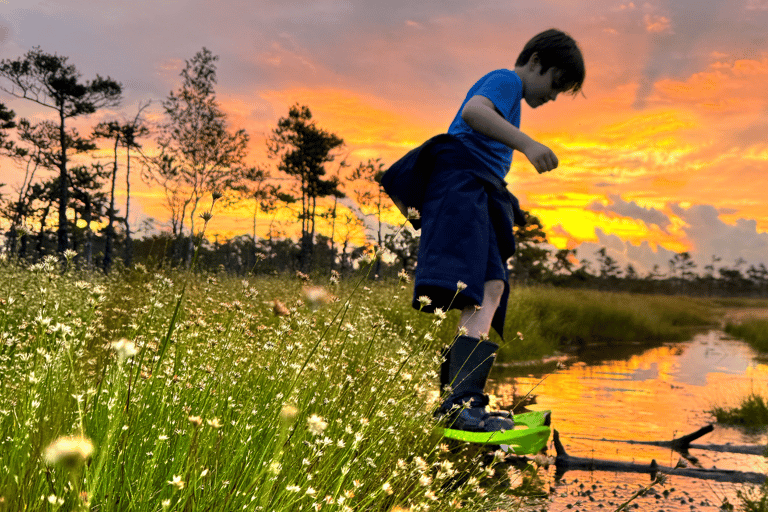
(503, 89)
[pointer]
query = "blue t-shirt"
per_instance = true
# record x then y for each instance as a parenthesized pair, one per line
(505, 89)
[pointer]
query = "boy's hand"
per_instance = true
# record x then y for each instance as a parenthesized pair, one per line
(480, 114)
(542, 158)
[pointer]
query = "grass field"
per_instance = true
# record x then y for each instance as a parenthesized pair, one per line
(551, 319)
(149, 391)
(144, 391)
(752, 411)
(754, 331)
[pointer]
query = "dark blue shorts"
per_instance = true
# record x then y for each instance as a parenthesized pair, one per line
(458, 242)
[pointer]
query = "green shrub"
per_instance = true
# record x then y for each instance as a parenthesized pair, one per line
(752, 412)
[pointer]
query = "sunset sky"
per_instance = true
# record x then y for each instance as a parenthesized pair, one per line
(666, 150)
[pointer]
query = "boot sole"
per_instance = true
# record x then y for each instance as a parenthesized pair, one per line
(528, 440)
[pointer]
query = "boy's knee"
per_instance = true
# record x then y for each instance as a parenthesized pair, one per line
(493, 291)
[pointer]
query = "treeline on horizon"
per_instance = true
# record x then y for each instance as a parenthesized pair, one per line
(199, 163)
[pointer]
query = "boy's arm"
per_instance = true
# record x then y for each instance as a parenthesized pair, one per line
(481, 115)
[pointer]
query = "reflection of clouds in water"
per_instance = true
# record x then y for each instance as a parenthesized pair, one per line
(646, 373)
(658, 394)
(709, 354)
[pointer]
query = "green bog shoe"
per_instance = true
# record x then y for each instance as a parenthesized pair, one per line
(529, 436)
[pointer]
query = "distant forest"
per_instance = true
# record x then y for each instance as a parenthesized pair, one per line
(199, 163)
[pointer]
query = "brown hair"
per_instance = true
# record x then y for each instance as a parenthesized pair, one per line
(557, 49)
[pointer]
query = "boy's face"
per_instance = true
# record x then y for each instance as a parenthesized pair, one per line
(540, 87)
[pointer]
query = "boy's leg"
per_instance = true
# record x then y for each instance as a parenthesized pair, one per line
(467, 365)
(477, 321)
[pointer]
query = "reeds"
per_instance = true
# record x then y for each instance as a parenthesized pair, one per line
(550, 319)
(752, 412)
(191, 393)
(754, 331)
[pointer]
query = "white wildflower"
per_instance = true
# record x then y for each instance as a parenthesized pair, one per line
(176, 482)
(70, 451)
(316, 424)
(55, 500)
(124, 348)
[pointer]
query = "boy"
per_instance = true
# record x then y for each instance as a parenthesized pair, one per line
(456, 182)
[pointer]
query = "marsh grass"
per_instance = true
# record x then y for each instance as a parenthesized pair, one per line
(754, 500)
(198, 393)
(752, 412)
(195, 395)
(552, 319)
(753, 331)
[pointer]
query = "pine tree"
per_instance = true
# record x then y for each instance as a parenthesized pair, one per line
(303, 150)
(48, 80)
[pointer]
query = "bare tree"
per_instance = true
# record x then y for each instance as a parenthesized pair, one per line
(370, 195)
(124, 134)
(199, 156)
(131, 132)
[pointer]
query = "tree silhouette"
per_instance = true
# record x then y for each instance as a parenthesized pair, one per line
(48, 80)
(405, 246)
(125, 135)
(110, 130)
(88, 201)
(13, 210)
(256, 187)
(7, 122)
(303, 151)
(369, 194)
(37, 148)
(199, 156)
(42, 197)
(131, 132)
(609, 267)
(531, 254)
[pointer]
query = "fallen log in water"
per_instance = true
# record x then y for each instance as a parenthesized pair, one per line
(732, 448)
(684, 443)
(564, 462)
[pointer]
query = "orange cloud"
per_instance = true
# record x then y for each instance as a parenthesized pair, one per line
(572, 226)
(370, 127)
(725, 88)
(657, 24)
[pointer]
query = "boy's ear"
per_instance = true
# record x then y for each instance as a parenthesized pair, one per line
(533, 60)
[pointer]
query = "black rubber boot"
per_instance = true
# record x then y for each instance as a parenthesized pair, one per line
(465, 371)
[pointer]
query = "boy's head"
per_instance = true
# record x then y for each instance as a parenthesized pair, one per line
(554, 48)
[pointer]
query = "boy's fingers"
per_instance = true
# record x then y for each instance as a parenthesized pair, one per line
(550, 162)
(543, 159)
(546, 165)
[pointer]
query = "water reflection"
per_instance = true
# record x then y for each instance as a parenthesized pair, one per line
(654, 394)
